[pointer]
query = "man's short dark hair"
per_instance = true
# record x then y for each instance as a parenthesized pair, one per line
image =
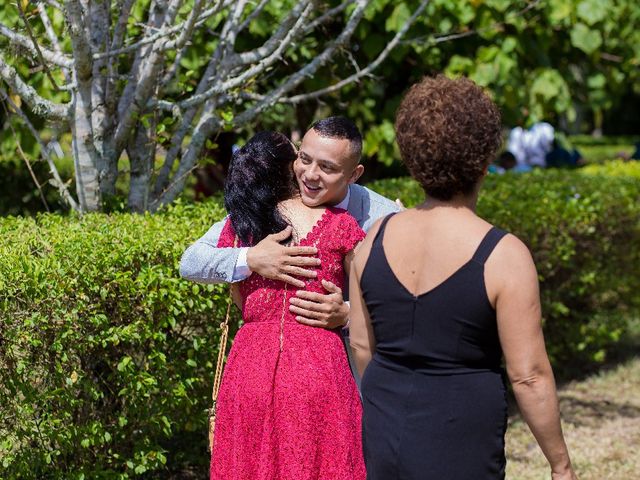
(341, 128)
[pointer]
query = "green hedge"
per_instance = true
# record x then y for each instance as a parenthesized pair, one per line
(583, 229)
(106, 355)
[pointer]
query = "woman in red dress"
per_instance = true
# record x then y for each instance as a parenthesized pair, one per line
(288, 406)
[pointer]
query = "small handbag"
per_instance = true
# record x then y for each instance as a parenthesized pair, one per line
(222, 349)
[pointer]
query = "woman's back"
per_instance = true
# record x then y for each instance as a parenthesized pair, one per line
(425, 246)
(427, 299)
(437, 352)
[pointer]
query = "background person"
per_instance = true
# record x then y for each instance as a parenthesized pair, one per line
(438, 295)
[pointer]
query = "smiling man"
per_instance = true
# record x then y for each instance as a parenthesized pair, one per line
(327, 163)
(327, 167)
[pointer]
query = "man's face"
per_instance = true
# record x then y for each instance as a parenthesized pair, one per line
(324, 169)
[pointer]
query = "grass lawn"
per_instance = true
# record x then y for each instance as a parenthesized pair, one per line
(601, 422)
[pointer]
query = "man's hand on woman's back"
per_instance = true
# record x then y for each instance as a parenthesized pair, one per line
(273, 260)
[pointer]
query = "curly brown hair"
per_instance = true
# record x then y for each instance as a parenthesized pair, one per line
(448, 131)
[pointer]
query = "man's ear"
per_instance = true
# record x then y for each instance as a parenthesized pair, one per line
(357, 173)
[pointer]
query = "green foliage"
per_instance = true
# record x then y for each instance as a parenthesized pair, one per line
(602, 149)
(554, 60)
(106, 359)
(583, 229)
(615, 168)
(18, 192)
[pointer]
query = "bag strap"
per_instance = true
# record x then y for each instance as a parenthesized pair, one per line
(222, 349)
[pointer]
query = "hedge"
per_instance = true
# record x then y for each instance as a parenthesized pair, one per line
(106, 355)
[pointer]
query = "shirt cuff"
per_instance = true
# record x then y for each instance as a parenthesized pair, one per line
(345, 328)
(241, 271)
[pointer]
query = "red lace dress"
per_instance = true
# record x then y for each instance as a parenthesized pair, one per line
(288, 407)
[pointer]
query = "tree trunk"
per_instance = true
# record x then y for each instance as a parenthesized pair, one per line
(87, 175)
(141, 151)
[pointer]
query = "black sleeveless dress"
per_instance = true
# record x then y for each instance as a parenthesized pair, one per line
(434, 396)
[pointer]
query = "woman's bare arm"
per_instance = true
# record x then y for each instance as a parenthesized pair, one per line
(517, 301)
(361, 336)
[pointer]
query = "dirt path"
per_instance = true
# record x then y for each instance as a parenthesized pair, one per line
(601, 421)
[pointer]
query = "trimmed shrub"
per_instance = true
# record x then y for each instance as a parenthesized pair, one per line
(106, 355)
(583, 229)
(614, 168)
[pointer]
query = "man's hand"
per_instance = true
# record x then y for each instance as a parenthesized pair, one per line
(277, 262)
(317, 310)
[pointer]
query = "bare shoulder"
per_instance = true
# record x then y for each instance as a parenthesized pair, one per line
(510, 248)
(511, 260)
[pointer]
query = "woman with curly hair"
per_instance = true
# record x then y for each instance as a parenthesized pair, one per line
(438, 297)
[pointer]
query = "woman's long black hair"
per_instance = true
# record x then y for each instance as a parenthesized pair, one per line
(260, 176)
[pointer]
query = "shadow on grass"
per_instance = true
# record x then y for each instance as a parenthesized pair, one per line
(593, 412)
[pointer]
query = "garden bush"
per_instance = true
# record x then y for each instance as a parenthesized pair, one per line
(106, 355)
(583, 229)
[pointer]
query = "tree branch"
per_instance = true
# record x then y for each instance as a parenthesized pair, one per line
(435, 39)
(187, 30)
(144, 88)
(208, 122)
(26, 161)
(368, 69)
(162, 179)
(309, 69)
(54, 4)
(327, 15)
(260, 67)
(43, 63)
(164, 32)
(181, 43)
(53, 38)
(15, 38)
(282, 35)
(81, 47)
(252, 16)
(38, 105)
(116, 42)
(56, 180)
(206, 125)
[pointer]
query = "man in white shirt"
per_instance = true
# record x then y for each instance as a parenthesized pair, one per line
(327, 167)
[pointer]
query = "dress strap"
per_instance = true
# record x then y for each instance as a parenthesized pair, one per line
(380, 234)
(487, 244)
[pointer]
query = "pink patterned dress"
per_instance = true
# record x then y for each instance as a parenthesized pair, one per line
(288, 407)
